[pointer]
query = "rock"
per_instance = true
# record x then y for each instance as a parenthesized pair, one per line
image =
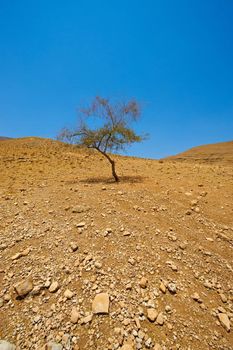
(74, 246)
(100, 304)
(157, 347)
(143, 282)
(196, 297)
(171, 287)
(16, 256)
(20, 254)
(126, 233)
(54, 287)
(86, 319)
(53, 346)
(223, 297)
(152, 314)
(162, 287)
(74, 315)
(68, 294)
(225, 322)
(24, 287)
(5, 345)
(160, 319)
(79, 209)
(81, 224)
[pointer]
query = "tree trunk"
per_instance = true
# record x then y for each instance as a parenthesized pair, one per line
(114, 174)
(112, 162)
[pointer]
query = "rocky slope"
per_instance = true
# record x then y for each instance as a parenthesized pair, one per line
(89, 264)
(214, 153)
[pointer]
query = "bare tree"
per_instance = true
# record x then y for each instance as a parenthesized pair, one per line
(114, 132)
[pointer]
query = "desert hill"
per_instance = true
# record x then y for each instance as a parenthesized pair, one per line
(212, 153)
(86, 263)
(4, 138)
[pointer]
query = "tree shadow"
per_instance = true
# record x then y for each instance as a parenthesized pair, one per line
(106, 181)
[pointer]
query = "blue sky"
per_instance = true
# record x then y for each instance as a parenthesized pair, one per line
(175, 57)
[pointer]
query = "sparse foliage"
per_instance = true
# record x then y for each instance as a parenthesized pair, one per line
(114, 133)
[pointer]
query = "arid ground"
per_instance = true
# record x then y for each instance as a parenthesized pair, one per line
(158, 245)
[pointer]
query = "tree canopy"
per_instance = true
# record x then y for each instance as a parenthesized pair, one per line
(114, 132)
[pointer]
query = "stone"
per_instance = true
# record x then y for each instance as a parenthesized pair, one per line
(126, 233)
(160, 319)
(24, 287)
(196, 297)
(152, 314)
(81, 224)
(157, 347)
(86, 319)
(54, 287)
(100, 304)
(171, 287)
(68, 294)
(225, 322)
(53, 346)
(16, 256)
(74, 315)
(162, 287)
(127, 346)
(5, 345)
(143, 282)
(79, 209)
(223, 297)
(74, 246)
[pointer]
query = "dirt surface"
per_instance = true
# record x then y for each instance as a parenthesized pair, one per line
(158, 245)
(214, 153)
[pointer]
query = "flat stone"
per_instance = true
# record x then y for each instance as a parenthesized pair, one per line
(225, 322)
(24, 287)
(152, 314)
(100, 304)
(54, 287)
(5, 345)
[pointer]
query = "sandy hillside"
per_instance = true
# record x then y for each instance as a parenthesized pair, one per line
(214, 153)
(89, 264)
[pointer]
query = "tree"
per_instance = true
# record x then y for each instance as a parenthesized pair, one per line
(114, 132)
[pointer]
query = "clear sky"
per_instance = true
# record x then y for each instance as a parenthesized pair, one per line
(174, 56)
